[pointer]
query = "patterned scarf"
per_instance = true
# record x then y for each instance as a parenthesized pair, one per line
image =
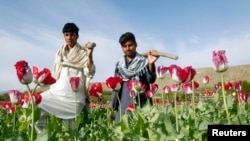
(136, 68)
(76, 57)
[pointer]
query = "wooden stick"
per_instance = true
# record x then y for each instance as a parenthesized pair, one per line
(163, 54)
(89, 45)
(154, 52)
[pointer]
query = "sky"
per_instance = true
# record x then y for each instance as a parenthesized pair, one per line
(191, 29)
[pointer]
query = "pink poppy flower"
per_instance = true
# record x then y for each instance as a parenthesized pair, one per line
(180, 75)
(217, 86)
(150, 93)
(136, 86)
(167, 89)
(15, 96)
(220, 61)
(188, 87)
(154, 87)
(206, 79)
(242, 97)
(132, 94)
(174, 87)
(237, 85)
(162, 71)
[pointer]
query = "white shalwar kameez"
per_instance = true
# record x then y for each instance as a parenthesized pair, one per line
(60, 100)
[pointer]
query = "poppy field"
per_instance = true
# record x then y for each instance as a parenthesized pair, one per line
(181, 111)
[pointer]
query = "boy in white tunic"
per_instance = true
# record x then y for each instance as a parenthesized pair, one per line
(71, 60)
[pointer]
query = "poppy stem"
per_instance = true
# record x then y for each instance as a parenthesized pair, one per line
(224, 98)
(162, 96)
(238, 96)
(120, 106)
(195, 122)
(139, 101)
(33, 111)
(175, 109)
(14, 119)
(75, 107)
(168, 99)
(75, 116)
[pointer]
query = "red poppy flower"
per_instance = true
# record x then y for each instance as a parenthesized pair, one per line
(157, 100)
(131, 107)
(23, 72)
(96, 89)
(75, 83)
(36, 96)
(43, 77)
(6, 105)
(228, 86)
(114, 83)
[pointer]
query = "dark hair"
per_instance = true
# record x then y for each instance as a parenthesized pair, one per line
(70, 27)
(128, 36)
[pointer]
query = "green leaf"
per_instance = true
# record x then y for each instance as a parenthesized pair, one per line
(200, 105)
(24, 126)
(186, 114)
(216, 97)
(37, 114)
(230, 101)
(185, 129)
(153, 136)
(155, 118)
(42, 136)
(141, 123)
(125, 126)
(203, 125)
(17, 137)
